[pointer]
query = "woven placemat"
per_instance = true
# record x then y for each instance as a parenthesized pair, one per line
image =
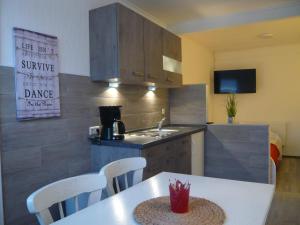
(157, 211)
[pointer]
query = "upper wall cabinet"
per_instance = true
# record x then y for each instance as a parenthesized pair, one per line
(153, 52)
(130, 39)
(128, 48)
(172, 59)
(171, 45)
(116, 45)
(104, 43)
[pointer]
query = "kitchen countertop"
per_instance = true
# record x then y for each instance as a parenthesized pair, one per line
(141, 142)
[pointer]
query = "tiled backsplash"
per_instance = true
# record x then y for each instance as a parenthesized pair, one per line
(37, 152)
(188, 104)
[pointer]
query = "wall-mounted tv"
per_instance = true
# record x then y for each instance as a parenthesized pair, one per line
(235, 81)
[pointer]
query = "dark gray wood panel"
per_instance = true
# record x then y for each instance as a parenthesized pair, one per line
(127, 46)
(156, 159)
(131, 44)
(173, 156)
(181, 151)
(172, 80)
(102, 155)
(238, 152)
(37, 152)
(103, 43)
(188, 104)
(171, 45)
(153, 52)
(15, 163)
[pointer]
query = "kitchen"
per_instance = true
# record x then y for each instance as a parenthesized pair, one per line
(126, 71)
(64, 141)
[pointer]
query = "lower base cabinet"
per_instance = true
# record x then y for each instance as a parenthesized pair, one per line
(171, 156)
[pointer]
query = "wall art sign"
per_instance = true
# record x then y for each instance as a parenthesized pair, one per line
(36, 75)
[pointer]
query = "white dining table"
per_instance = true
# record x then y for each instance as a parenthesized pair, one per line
(244, 203)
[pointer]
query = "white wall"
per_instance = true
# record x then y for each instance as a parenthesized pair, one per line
(66, 19)
(197, 67)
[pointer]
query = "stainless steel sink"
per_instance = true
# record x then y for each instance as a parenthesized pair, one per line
(154, 133)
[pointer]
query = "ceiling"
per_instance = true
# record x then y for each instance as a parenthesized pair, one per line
(284, 31)
(171, 12)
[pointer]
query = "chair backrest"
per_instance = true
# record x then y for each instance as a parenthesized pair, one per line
(122, 167)
(38, 202)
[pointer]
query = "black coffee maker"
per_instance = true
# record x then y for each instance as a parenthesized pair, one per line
(112, 126)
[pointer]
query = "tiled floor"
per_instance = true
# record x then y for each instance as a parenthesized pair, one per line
(285, 209)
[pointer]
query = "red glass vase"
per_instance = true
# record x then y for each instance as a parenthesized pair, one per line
(179, 197)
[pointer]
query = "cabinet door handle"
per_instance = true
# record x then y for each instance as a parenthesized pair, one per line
(150, 76)
(138, 74)
(169, 80)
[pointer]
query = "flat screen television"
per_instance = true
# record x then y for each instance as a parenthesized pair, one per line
(235, 81)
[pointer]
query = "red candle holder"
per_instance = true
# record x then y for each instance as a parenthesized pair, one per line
(179, 196)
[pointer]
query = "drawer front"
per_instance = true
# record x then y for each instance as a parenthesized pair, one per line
(173, 156)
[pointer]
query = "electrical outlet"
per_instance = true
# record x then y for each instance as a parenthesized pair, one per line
(163, 111)
(94, 130)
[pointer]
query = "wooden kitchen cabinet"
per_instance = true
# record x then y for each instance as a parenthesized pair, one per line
(155, 157)
(172, 156)
(116, 44)
(172, 50)
(153, 52)
(103, 43)
(131, 54)
(183, 148)
(128, 48)
(171, 45)
(172, 80)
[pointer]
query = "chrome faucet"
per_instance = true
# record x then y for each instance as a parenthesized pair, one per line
(161, 123)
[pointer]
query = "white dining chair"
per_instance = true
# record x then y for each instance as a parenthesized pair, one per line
(40, 201)
(273, 172)
(121, 167)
